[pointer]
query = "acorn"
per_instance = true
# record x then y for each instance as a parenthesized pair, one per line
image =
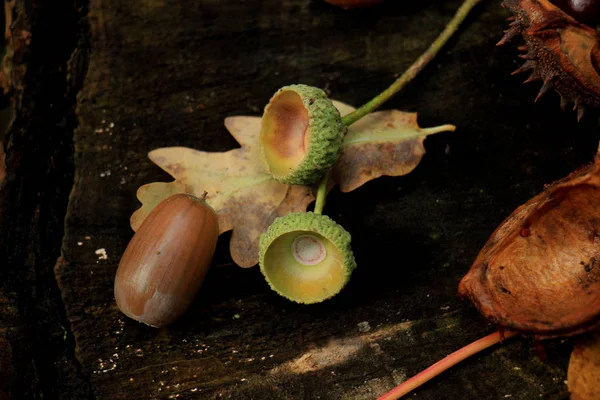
(301, 135)
(166, 261)
(306, 257)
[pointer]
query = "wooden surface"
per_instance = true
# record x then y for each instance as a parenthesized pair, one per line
(153, 73)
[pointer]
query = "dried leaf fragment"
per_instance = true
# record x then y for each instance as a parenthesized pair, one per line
(382, 143)
(539, 272)
(583, 376)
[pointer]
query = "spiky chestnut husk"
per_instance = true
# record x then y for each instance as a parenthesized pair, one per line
(306, 257)
(301, 135)
(560, 51)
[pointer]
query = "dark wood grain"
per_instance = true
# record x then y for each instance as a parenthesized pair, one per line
(44, 62)
(167, 73)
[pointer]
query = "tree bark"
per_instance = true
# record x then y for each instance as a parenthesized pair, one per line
(43, 51)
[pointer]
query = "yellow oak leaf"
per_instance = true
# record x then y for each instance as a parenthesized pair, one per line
(247, 200)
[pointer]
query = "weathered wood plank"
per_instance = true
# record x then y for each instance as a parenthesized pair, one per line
(168, 73)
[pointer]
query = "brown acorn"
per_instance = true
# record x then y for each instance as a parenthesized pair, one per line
(539, 272)
(166, 261)
(562, 48)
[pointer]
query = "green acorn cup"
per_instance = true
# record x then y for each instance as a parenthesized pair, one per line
(306, 257)
(301, 136)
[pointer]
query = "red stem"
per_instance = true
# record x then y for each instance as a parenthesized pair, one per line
(445, 363)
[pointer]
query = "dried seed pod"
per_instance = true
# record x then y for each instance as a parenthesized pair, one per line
(583, 376)
(301, 135)
(349, 4)
(539, 273)
(306, 257)
(560, 51)
(165, 262)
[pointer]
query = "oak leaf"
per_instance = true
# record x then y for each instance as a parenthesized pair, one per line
(247, 199)
(382, 143)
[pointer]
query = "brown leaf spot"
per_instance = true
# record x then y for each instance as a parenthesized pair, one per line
(174, 169)
(363, 163)
(383, 143)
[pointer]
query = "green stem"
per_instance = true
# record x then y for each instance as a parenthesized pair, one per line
(395, 87)
(321, 194)
(417, 66)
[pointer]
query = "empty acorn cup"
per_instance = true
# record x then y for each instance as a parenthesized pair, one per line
(306, 257)
(301, 135)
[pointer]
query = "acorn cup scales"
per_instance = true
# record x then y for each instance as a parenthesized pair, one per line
(301, 135)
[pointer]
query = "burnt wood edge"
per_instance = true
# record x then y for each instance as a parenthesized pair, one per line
(49, 49)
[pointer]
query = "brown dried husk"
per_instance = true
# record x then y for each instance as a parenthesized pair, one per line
(583, 376)
(559, 51)
(539, 272)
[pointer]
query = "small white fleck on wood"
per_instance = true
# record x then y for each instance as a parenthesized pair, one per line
(101, 254)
